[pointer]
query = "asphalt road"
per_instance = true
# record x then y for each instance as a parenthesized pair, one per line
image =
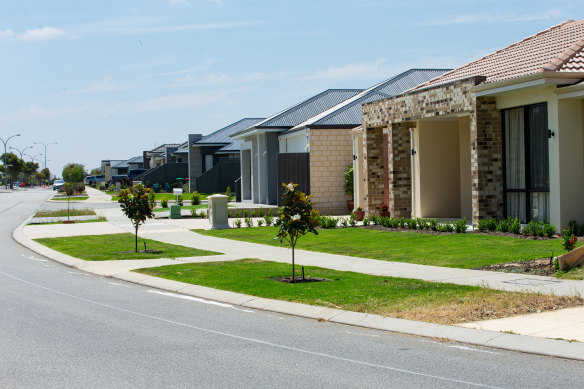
(62, 328)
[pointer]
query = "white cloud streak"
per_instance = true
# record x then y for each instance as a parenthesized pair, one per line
(491, 18)
(35, 34)
(355, 71)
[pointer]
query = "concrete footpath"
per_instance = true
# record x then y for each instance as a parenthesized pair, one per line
(565, 324)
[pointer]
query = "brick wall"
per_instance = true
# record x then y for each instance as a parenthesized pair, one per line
(330, 153)
(395, 116)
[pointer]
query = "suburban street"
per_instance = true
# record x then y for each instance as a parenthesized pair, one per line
(64, 328)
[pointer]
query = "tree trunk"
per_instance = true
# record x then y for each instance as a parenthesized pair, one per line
(293, 264)
(68, 200)
(136, 241)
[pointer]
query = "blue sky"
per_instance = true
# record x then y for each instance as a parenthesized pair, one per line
(107, 79)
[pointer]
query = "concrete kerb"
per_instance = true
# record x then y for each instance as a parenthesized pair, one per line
(510, 342)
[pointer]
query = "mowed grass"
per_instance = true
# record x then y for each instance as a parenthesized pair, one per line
(386, 296)
(98, 220)
(464, 251)
(108, 247)
(169, 196)
(188, 207)
(76, 198)
(63, 212)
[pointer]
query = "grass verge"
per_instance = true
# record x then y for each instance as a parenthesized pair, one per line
(466, 251)
(188, 207)
(387, 296)
(98, 220)
(78, 198)
(169, 196)
(63, 212)
(108, 247)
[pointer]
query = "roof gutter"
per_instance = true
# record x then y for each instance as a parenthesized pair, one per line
(528, 81)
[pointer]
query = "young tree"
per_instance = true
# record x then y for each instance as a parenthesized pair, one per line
(296, 217)
(74, 172)
(95, 172)
(69, 190)
(135, 204)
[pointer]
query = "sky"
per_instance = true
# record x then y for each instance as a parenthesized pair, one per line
(107, 79)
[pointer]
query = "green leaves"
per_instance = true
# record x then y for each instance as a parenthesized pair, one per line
(296, 217)
(136, 206)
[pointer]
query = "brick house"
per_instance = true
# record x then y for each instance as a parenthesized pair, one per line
(501, 136)
(327, 142)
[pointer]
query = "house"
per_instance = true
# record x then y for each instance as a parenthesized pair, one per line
(260, 163)
(106, 168)
(159, 155)
(166, 164)
(123, 167)
(217, 148)
(325, 140)
(502, 136)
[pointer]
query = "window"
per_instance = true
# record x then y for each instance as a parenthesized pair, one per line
(526, 163)
(208, 161)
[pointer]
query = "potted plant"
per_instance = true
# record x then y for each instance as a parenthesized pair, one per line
(359, 214)
(348, 186)
(383, 210)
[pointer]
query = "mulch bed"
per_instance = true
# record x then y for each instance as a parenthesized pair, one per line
(299, 280)
(149, 251)
(494, 233)
(539, 267)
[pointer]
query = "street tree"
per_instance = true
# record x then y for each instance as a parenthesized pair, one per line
(95, 172)
(135, 205)
(69, 190)
(73, 172)
(296, 218)
(15, 164)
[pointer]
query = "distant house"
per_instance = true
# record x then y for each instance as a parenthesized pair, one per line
(124, 166)
(106, 168)
(207, 152)
(166, 164)
(502, 136)
(326, 140)
(159, 155)
(260, 163)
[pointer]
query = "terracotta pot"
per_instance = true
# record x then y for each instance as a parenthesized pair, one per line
(350, 205)
(359, 215)
(384, 213)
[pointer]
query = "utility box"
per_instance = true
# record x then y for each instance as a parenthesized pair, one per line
(218, 215)
(175, 211)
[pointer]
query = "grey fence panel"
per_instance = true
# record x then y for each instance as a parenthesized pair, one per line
(167, 173)
(219, 177)
(293, 167)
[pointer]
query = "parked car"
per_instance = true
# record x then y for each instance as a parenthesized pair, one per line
(58, 184)
(89, 179)
(93, 180)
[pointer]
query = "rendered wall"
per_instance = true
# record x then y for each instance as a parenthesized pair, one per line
(331, 151)
(465, 168)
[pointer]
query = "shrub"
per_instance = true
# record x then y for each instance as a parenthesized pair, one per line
(549, 230)
(573, 227)
(515, 226)
(238, 223)
(261, 212)
(249, 221)
(344, 222)
(434, 224)
(504, 225)
(194, 213)
(260, 222)
(374, 219)
(179, 200)
(366, 221)
(228, 193)
(270, 214)
(483, 225)
(254, 214)
(151, 199)
(402, 222)
(195, 198)
(385, 222)
(164, 203)
(394, 222)
(568, 240)
(423, 224)
(327, 221)
(269, 220)
(246, 213)
(352, 219)
(460, 226)
(203, 214)
(533, 228)
(412, 224)
(446, 227)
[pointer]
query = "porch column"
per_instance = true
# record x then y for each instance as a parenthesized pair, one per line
(373, 168)
(399, 170)
(486, 138)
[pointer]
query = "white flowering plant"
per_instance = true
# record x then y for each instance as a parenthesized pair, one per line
(296, 217)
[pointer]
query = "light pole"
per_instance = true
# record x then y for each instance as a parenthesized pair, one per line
(21, 157)
(33, 158)
(45, 144)
(5, 167)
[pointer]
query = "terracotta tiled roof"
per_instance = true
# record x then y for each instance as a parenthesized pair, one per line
(558, 48)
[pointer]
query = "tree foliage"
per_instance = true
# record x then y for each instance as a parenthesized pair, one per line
(296, 217)
(95, 172)
(15, 164)
(135, 204)
(73, 172)
(348, 186)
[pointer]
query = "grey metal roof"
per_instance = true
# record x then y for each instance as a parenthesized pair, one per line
(222, 135)
(349, 112)
(308, 108)
(230, 148)
(127, 162)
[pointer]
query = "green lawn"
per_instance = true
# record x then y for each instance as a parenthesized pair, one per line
(98, 220)
(63, 212)
(78, 198)
(170, 196)
(387, 296)
(189, 207)
(465, 251)
(106, 247)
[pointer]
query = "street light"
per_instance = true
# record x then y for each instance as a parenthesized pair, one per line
(45, 144)
(33, 158)
(21, 152)
(6, 167)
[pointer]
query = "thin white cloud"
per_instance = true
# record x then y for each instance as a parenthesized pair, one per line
(354, 71)
(105, 85)
(40, 34)
(486, 18)
(6, 34)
